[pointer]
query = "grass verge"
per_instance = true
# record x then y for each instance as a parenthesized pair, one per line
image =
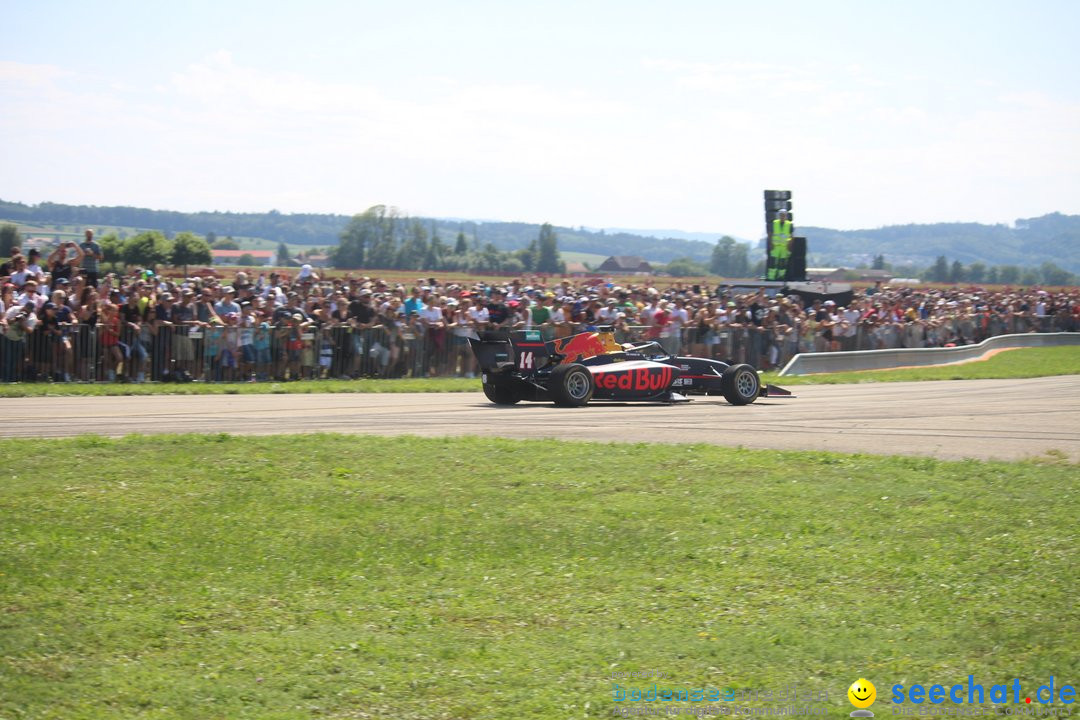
(367, 385)
(343, 576)
(1020, 363)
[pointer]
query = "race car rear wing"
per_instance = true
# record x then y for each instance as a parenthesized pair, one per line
(524, 350)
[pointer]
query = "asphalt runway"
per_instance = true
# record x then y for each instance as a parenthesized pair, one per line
(1004, 419)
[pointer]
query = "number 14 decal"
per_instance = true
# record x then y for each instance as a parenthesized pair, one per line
(526, 360)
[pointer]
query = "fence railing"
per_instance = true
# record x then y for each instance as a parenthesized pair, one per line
(88, 353)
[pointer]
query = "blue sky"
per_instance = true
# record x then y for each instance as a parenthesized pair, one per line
(604, 114)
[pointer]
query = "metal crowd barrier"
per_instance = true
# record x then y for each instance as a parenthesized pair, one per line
(85, 353)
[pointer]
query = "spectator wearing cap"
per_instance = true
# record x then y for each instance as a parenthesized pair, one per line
(274, 290)
(30, 294)
(246, 353)
(362, 318)
(291, 307)
(306, 275)
(229, 348)
(431, 315)
(499, 314)
(540, 315)
(164, 321)
(183, 345)
(415, 302)
(227, 304)
(478, 314)
(462, 361)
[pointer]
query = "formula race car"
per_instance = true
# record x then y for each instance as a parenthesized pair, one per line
(519, 365)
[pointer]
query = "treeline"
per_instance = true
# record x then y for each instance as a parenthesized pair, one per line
(315, 229)
(301, 229)
(730, 258)
(149, 249)
(1029, 243)
(1048, 273)
(383, 238)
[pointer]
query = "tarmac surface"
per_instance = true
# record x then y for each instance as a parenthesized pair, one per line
(1000, 419)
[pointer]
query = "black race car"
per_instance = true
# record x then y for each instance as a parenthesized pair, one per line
(520, 365)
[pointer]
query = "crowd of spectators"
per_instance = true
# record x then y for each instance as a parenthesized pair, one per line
(65, 321)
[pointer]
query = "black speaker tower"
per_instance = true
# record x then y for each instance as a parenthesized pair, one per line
(795, 268)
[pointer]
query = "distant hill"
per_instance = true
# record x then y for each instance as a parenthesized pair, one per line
(1054, 237)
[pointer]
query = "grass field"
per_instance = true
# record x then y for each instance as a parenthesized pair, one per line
(1019, 363)
(345, 577)
(1028, 362)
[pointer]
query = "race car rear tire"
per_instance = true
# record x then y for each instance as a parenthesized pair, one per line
(740, 384)
(571, 385)
(502, 393)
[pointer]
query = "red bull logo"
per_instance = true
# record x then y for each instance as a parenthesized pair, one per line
(578, 347)
(644, 379)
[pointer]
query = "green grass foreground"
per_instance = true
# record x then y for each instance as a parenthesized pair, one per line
(329, 576)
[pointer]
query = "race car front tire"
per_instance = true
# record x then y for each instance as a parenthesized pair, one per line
(571, 385)
(740, 384)
(502, 393)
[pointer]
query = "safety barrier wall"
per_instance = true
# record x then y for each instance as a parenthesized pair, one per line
(808, 363)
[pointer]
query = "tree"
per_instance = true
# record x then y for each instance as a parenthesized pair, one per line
(461, 247)
(226, 243)
(684, 267)
(436, 254)
(282, 254)
(359, 238)
(148, 249)
(411, 254)
(371, 240)
(548, 260)
(992, 275)
(879, 262)
(1030, 276)
(188, 249)
(1009, 274)
(956, 272)
(511, 264)
(247, 260)
(976, 272)
(940, 271)
(729, 258)
(528, 256)
(10, 237)
(112, 248)
(1054, 275)
(211, 238)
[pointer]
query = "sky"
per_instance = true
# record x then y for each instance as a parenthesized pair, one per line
(672, 115)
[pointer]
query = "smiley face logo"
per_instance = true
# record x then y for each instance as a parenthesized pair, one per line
(862, 693)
